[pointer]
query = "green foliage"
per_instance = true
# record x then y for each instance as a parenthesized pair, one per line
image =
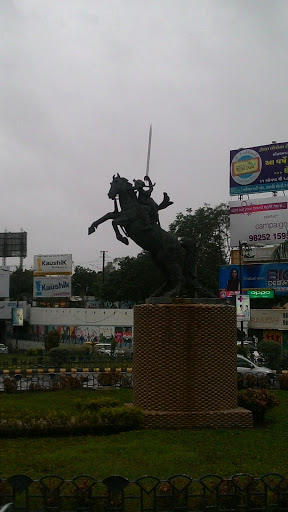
(95, 404)
(134, 279)
(21, 284)
(243, 351)
(208, 227)
(283, 381)
(10, 385)
(258, 401)
(121, 419)
(271, 352)
(34, 352)
(102, 419)
(52, 340)
(86, 282)
(255, 451)
(249, 380)
(59, 355)
(108, 378)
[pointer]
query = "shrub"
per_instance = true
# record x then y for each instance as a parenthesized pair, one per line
(120, 419)
(107, 420)
(10, 385)
(52, 339)
(271, 352)
(283, 381)
(97, 403)
(34, 352)
(258, 401)
(108, 378)
(243, 351)
(71, 382)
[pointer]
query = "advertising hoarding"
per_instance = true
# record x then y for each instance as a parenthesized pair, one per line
(263, 221)
(256, 276)
(4, 281)
(17, 317)
(255, 254)
(49, 264)
(243, 308)
(7, 306)
(259, 169)
(52, 287)
(13, 244)
(261, 294)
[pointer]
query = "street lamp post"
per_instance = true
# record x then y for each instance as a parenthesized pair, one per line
(240, 249)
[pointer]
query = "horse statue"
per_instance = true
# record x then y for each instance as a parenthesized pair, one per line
(137, 223)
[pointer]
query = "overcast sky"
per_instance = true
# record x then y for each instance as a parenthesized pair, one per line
(82, 80)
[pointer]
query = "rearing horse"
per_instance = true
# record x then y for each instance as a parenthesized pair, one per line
(164, 248)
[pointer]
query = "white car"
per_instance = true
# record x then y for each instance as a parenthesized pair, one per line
(3, 349)
(119, 352)
(245, 366)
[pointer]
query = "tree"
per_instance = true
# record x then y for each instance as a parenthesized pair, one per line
(85, 281)
(21, 284)
(208, 228)
(271, 352)
(134, 279)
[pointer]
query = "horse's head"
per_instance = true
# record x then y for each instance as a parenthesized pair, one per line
(119, 186)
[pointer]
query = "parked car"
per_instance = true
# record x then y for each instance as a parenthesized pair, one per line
(245, 366)
(119, 352)
(3, 349)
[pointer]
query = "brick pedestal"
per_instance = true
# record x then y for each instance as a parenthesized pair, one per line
(184, 366)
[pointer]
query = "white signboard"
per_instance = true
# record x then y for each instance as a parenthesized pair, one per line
(255, 254)
(7, 306)
(243, 308)
(263, 221)
(52, 287)
(57, 264)
(4, 281)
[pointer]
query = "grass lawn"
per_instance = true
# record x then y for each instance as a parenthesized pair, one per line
(223, 452)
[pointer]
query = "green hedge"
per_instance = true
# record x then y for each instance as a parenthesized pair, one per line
(100, 420)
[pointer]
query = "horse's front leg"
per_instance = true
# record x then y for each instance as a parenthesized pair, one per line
(96, 223)
(119, 237)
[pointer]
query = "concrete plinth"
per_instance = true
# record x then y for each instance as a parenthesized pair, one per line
(184, 366)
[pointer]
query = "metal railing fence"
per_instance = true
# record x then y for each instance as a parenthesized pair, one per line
(180, 493)
(54, 381)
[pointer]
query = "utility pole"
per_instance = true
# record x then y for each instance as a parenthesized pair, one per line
(103, 266)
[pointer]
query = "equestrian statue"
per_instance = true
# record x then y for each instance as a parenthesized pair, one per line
(138, 218)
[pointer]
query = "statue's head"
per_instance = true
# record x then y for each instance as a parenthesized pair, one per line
(138, 184)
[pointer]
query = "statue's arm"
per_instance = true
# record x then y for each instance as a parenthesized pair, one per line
(150, 185)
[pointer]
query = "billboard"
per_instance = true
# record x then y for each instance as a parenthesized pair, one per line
(261, 294)
(52, 287)
(243, 308)
(7, 306)
(259, 169)
(256, 276)
(58, 264)
(13, 245)
(263, 221)
(17, 317)
(4, 281)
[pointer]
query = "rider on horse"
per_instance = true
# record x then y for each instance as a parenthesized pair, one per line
(145, 199)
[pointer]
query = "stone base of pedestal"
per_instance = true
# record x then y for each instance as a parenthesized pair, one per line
(227, 418)
(184, 366)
